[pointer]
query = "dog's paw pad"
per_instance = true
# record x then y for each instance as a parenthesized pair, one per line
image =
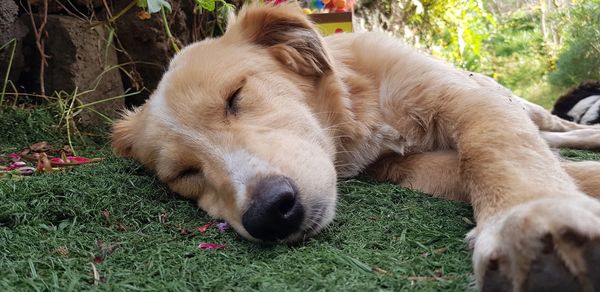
(548, 272)
(591, 254)
(495, 280)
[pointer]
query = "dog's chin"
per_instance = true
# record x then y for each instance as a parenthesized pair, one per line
(311, 227)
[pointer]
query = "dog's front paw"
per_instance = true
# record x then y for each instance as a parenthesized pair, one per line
(545, 245)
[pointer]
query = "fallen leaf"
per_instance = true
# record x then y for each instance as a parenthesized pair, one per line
(26, 170)
(66, 150)
(15, 165)
(143, 15)
(72, 161)
(379, 270)
(205, 227)
(40, 147)
(14, 157)
(211, 246)
(121, 227)
(468, 221)
(62, 251)
(184, 232)
(106, 215)
(56, 160)
(43, 163)
(163, 217)
(105, 248)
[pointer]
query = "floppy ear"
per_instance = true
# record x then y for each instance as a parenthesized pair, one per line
(288, 34)
(124, 133)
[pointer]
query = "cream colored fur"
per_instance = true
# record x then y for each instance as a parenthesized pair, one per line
(314, 109)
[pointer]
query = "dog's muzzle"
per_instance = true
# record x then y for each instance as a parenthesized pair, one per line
(275, 211)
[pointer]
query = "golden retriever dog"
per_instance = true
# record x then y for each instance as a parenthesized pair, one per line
(258, 125)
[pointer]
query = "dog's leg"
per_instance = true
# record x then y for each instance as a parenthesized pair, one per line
(586, 175)
(546, 121)
(437, 173)
(536, 230)
(578, 139)
(434, 173)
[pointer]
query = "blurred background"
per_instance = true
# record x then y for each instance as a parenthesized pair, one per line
(89, 57)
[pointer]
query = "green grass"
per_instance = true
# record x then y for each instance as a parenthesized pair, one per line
(417, 240)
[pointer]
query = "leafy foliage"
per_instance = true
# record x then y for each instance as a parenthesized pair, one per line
(580, 57)
(154, 5)
(454, 32)
(451, 30)
(516, 42)
(517, 56)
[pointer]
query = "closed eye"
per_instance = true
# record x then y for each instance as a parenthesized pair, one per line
(232, 102)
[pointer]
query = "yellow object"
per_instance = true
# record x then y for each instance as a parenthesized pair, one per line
(336, 27)
(330, 23)
(307, 11)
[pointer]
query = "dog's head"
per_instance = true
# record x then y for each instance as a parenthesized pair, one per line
(234, 125)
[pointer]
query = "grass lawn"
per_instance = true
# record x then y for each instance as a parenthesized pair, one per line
(53, 234)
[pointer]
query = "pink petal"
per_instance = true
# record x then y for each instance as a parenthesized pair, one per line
(78, 159)
(14, 156)
(15, 165)
(56, 160)
(205, 227)
(26, 170)
(211, 246)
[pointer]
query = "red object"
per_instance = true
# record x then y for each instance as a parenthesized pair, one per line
(78, 159)
(15, 165)
(339, 30)
(277, 2)
(205, 227)
(14, 156)
(71, 160)
(211, 246)
(56, 160)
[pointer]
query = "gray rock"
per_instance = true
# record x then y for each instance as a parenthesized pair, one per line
(80, 58)
(146, 43)
(11, 28)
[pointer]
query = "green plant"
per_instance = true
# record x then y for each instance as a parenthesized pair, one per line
(454, 31)
(162, 6)
(579, 59)
(12, 42)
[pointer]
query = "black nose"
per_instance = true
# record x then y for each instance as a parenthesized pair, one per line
(275, 211)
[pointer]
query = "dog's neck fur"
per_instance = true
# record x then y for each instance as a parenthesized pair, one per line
(346, 103)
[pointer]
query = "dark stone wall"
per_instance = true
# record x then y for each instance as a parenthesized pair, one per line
(87, 54)
(11, 28)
